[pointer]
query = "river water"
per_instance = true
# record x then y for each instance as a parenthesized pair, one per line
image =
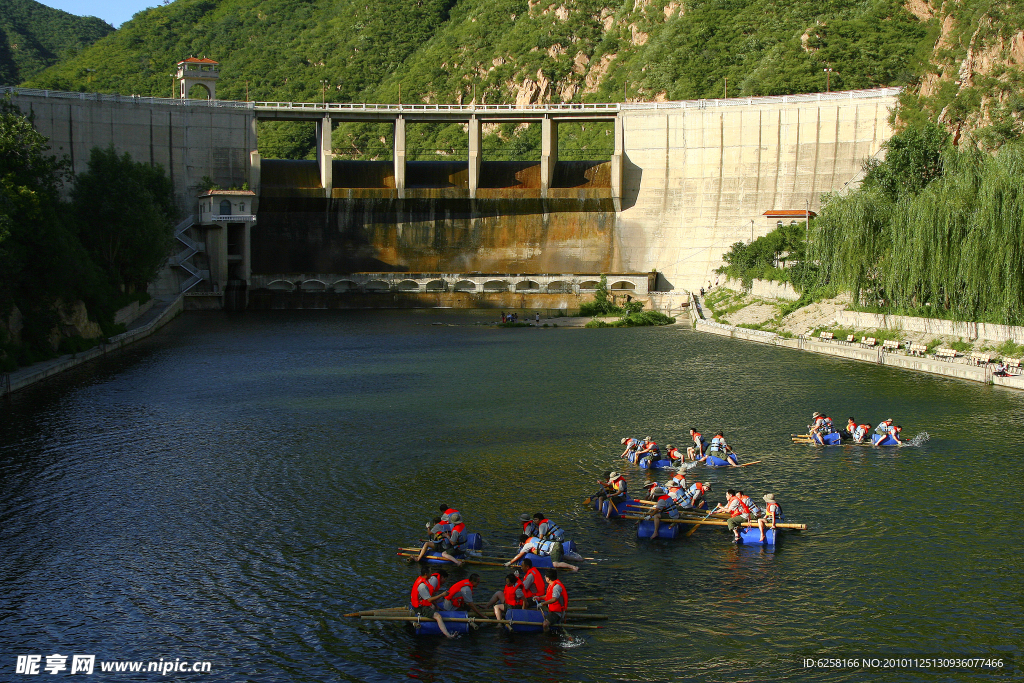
(226, 490)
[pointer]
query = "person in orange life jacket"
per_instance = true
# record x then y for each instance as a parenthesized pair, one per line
(533, 580)
(631, 445)
(738, 511)
(884, 427)
(665, 506)
(529, 524)
(673, 453)
(556, 600)
(509, 597)
(859, 433)
(616, 493)
(423, 598)
(698, 447)
(772, 512)
(744, 510)
(677, 491)
(553, 549)
(460, 595)
(437, 578)
(895, 433)
(546, 529)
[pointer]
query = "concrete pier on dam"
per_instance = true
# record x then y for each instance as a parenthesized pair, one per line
(685, 181)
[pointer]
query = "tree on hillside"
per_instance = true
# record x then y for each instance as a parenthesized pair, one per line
(913, 158)
(125, 213)
(41, 260)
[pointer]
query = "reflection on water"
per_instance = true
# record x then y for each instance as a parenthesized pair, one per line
(228, 489)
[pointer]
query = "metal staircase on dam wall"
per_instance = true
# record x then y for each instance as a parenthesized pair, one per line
(183, 259)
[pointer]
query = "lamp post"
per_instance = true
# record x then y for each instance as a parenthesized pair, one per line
(828, 77)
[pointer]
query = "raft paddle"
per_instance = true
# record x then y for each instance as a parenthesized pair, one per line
(695, 526)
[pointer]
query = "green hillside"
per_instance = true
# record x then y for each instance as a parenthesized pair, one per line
(34, 36)
(501, 50)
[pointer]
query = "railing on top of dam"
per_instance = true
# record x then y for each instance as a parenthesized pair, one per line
(128, 99)
(570, 107)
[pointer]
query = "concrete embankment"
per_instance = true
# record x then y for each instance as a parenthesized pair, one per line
(876, 355)
(153, 319)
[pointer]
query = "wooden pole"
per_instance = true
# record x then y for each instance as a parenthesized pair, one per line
(717, 522)
(484, 564)
(467, 620)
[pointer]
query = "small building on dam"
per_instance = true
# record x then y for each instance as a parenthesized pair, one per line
(685, 180)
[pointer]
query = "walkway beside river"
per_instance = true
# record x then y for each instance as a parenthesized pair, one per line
(876, 355)
(146, 324)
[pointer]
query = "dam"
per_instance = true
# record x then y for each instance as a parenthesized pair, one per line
(684, 182)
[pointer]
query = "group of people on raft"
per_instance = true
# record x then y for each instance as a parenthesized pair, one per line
(647, 452)
(525, 587)
(674, 497)
(822, 425)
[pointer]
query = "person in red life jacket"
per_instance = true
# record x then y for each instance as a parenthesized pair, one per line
(631, 445)
(859, 433)
(772, 512)
(546, 529)
(436, 578)
(666, 505)
(673, 453)
(532, 544)
(448, 539)
(817, 426)
(509, 597)
(720, 448)
(533, 580)
(895, 433)
(529, 524)
(738, 511)
(698, 447)
(648, 450)
(423, 598)
(556, 600)
(447, 512)
(696, 494)
(460, 595)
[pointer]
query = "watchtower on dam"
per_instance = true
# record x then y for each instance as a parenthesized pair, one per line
(685, 180)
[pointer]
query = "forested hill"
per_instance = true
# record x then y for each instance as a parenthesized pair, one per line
(34, 36)
(566, 50)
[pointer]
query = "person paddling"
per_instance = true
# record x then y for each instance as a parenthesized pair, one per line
(423, 598)
(556, 601)
(615, 492)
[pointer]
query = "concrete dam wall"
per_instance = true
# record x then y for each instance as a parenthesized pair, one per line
(703, 176)
(687, 180)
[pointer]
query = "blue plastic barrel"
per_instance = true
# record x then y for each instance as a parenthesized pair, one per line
(752, 536)
(474, 541)
(540, 561)
(657, 464)
(623, 507)
(569, 546)
(833, 439)
(712, 461)
(665, 530)
(525, 620)
(429, 627)
(883, 440)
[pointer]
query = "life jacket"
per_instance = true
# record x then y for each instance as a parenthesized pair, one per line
(415, 598)
(439, 580)
(774, 508)
(671, 507)
(457, 536)
(673, 454)
(448, 513)
(554, 533)
(740, 508)
(530, 528)
(615, 484)
(538, 584)
(455, 593)
(510, 594)
(751, 506)
(717, 444)
(563, 602)
(538, 546)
